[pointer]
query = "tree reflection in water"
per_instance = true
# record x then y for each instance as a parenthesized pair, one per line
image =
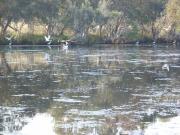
(105, 91)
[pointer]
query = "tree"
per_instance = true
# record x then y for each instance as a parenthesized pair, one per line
(141, 12)
(173, 16)
(18, 10)
(82, 17)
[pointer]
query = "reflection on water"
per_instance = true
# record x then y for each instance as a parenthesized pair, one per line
(40, 124)
(93, 91)
(169, 127)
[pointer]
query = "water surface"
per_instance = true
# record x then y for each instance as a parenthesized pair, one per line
(97, 91)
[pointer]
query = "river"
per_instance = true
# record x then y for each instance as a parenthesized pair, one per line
(90, 91)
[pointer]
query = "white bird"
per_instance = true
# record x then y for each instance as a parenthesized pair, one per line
(137, 43)
(167, 28)
(9, 38)
(174, 42)
(165, 67)
(119, 130)
(83, 34)
(48, 40)
(65, 46)
(10, 41)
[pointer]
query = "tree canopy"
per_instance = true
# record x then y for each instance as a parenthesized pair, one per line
(116, 20)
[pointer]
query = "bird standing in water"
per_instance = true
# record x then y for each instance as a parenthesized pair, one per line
(48, 41)
(137, 43)
(166, 67)
(10, 41)
(154, 43)
(66, 46)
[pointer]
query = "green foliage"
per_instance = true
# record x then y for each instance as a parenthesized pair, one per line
(3, 41)
(34, 39)
(30, 39)
(173, 11)
(92, 39)
(90, 19)
(134, 34)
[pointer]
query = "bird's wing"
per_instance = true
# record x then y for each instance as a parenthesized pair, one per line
(45, 38)
(8, 38)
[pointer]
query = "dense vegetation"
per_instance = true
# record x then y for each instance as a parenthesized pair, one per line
(116, 21)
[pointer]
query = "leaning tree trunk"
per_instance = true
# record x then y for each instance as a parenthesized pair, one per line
(5, 27)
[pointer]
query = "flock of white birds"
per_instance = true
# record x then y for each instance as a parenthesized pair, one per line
(48, 40)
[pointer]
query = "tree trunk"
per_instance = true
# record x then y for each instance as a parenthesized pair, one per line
(153, 30)
(118, 22)
(31, 28)
(142, 30)
(62, 30)
(4, 28)
(100, 31)
(173, 32)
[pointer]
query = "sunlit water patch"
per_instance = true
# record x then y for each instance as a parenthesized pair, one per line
(67, 100)
(164, 127)
(40, 124)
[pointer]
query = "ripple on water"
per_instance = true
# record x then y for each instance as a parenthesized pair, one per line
(93, 73)
(24, 71)
(175, 66)
(24, 95)
(79, 124)
(163, 79)
(67, 100)
(103, 112)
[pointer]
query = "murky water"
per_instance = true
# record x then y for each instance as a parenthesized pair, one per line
(90, 91)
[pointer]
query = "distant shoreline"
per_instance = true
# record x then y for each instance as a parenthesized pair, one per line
(140, 42)
(55, 44)
(146, 45)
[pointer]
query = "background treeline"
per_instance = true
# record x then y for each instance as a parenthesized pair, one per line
(92, 21)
